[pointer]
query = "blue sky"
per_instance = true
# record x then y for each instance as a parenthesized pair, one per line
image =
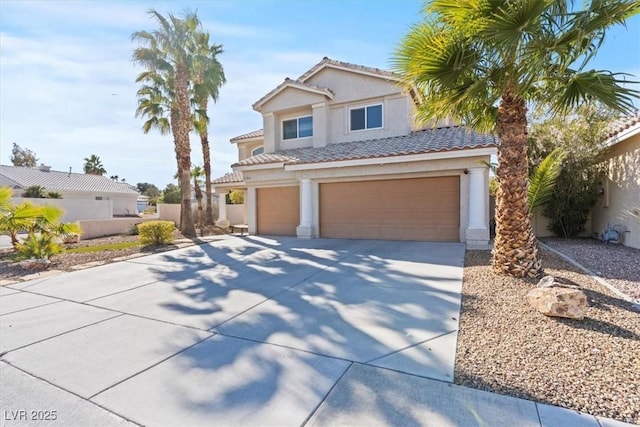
(67, 85)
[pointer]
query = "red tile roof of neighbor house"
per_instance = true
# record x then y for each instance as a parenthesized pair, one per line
(623, 123)
(328, 62)
(255, 134)
(229, 178)
(51, 180)
(419, 142)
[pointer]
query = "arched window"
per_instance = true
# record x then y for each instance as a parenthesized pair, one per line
(258, 150)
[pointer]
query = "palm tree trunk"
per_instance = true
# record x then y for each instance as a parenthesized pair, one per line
(515, 250)
(206, 156)
(183, 150)
(196, 186)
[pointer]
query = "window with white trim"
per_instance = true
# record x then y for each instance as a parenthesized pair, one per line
(257, 150)
(300, 127)
(369, 117)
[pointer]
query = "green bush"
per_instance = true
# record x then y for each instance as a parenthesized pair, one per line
(156, 232)
(35, 192)
(54, 195)
(39, 246)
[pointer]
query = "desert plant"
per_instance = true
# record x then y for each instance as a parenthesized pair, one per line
(34, 192)
(156, 232)
(54, 195)
(38, 246)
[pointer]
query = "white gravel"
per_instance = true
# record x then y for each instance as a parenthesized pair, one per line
(617, 264)
(507, 347)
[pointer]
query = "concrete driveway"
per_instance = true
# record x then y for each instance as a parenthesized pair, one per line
(246, 331)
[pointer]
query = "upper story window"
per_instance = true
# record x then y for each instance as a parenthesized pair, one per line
(258, 150)
(366, 117)
(300, 127)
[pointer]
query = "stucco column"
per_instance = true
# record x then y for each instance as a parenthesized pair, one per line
(222, 211)
(319, 125)
(305, 229)
(477, 196)
(269, 132)
(477, 234)
(250, 206)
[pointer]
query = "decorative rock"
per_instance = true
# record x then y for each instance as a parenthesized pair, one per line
(559, 302)
(547, 282)
(72, 238)
(35, 264)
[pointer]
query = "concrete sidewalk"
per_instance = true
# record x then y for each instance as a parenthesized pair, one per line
(250, 331)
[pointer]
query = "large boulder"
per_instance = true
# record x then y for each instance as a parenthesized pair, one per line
(559, 302)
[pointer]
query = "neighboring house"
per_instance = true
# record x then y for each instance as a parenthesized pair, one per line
(339, 157)
(83, 196)
(619, 205)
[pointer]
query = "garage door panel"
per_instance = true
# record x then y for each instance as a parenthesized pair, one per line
(278, 210)
(402, 209)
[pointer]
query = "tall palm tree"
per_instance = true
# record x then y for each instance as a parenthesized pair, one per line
(208, 78)
(481, 62)
(93, 166)
(196, 173)
(165, 56)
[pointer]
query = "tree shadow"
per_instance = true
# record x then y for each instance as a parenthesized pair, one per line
(335, 300)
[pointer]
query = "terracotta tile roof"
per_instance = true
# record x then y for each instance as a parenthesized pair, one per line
(623, 123)
(339, 64)
(254, 134)
(52, 180)
(420, 142)
(292, 83)
(229, 178)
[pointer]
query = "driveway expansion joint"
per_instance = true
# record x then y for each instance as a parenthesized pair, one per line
(410, 346)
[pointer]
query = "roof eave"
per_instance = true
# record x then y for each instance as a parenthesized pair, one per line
(324, 65)
(257, 106)
(436, 155)
(623, 135)
(274, 165)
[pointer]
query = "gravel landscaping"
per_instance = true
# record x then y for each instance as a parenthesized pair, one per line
(619, 265)
(507, 347)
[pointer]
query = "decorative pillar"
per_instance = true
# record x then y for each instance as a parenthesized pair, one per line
(305, 229)
(477, 233)
(477, 198)
(222, 211)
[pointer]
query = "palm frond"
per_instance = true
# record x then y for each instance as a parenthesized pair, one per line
(543, 178)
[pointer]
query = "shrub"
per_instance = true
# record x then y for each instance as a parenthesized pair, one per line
(39, 246)
(35, 191)
(54, 195)
(156, 232)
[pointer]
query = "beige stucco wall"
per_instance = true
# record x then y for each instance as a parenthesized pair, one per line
(348, 86)
(620, 203)
(236, 214)
(123, 204)
(291, 98)
(245, 148)
(331, 116)
(396, 119)
(98, 228)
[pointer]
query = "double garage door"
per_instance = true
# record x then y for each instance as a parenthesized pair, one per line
(399, 209)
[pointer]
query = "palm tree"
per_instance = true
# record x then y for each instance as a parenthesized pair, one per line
(208, 78)
(480, 63)
(93, 166)
(164, 53)
(196, 174)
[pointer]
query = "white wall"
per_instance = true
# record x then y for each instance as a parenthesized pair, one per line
(620, 204)
(99, 228)
(236, 214)
(75, 209)
(169, 212)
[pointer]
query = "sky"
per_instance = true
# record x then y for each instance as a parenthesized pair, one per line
(67, 82)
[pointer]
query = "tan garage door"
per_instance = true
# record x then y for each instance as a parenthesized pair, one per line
(399, 209)
(278, 210)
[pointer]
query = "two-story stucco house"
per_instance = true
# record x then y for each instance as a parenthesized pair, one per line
(339, 157)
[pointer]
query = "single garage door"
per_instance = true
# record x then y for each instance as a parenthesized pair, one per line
(278, 210)
(399, 209)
